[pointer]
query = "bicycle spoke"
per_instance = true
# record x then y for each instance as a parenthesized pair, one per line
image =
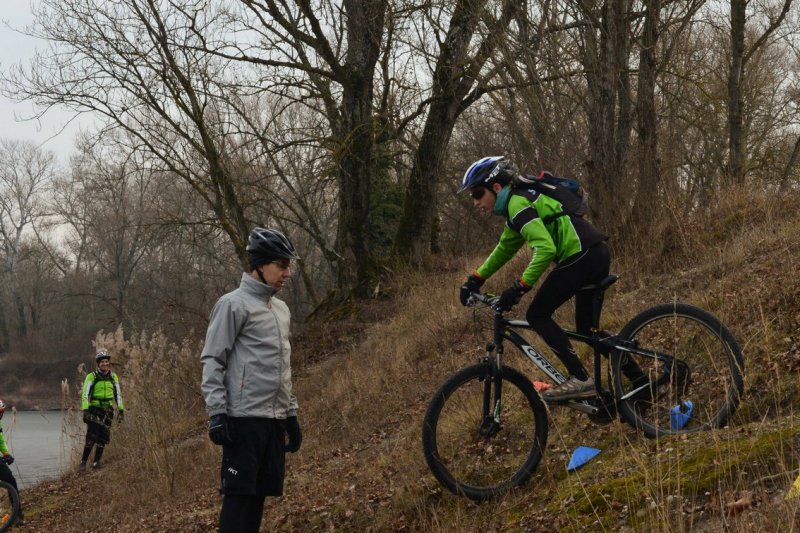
(695, 382)
(474, 456)
(477, 460)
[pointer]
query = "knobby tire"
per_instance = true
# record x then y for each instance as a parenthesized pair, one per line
(476, 466)
(9, 506)
(707, 370)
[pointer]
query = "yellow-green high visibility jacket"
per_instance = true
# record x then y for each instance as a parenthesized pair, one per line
(101, 391)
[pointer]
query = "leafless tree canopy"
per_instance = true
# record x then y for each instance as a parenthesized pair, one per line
(348, 124)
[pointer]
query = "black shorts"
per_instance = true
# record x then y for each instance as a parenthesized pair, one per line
(255, 464)
(98, 425)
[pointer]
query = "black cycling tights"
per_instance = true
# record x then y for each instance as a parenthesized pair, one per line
(98, 453)
(241, 514)
(584, 268)
(7, 476)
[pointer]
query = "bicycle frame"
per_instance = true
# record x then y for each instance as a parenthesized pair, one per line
(486, 427)
(503, 329)
(545, 365)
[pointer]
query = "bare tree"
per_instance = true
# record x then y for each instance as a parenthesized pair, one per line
(330, 52)
(135, 64)
(25, 172)
(649, 171)
(460, 78)
(741, 52)
(122, 227)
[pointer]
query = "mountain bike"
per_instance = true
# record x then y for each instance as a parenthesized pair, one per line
(485, 429)
(9, 505)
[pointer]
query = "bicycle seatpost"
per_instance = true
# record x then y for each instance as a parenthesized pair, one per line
(598, 295)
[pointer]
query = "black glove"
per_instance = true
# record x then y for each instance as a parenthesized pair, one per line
(294, 434)
(473, 284)
(8, 459)
(219, 430)
(120, 417)
(511, 296)
(87, 417)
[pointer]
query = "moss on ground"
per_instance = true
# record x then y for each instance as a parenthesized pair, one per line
(679, 468)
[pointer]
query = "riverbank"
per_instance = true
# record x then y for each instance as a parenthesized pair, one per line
(30, 385)
(43, 444)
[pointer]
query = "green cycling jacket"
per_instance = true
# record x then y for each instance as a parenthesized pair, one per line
(3, 447)
(101, 391)
(556, 241)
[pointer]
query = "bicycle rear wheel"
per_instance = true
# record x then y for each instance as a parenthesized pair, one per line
(693, 368)
(9, 506)
(469, 454)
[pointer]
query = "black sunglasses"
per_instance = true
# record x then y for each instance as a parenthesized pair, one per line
(477, 193)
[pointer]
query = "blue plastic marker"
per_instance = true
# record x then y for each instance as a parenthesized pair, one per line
(581, 456)
(680, 414)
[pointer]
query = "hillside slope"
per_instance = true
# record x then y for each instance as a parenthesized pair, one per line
(364, 381)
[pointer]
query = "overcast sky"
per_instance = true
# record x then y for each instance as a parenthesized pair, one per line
(16, 48)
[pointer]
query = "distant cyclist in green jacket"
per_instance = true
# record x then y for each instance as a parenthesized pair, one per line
(8, 459)
(576, 247)
(100, 391)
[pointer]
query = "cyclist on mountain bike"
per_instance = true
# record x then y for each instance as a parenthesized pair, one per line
(100, 390)
(578, 249)
(8, 459)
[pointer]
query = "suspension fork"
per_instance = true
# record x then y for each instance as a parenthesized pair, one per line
(493, 385)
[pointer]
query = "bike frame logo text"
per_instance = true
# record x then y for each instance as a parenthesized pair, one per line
(542, 363)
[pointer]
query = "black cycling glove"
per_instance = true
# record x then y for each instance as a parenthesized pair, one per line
(512, 295)
(473, 284)
(219, 430)
(294, 434)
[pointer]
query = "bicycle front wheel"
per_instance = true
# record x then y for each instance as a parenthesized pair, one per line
(9, 505)
(683, 373)
(473, 454)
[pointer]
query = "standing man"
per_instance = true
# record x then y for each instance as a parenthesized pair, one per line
(247, 383)
(100, 390)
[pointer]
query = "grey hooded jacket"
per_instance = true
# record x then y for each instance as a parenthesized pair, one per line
(246, 357)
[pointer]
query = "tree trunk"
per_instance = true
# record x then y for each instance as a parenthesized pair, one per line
(456, 85)
(606, 62)
(365, 20)
(736, 153)
(5, 342)
(415, 231)
(22, 320)
(646, 199)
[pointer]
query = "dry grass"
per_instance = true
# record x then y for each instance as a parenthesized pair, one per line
(363, 386)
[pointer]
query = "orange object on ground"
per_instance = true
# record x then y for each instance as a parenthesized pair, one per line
(541, 385)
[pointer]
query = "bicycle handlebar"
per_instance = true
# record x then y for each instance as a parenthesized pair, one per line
(489, 300)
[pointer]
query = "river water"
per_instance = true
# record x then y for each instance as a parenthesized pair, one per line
(40, 445)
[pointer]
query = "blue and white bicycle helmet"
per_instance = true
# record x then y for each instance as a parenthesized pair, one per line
(486, 171)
